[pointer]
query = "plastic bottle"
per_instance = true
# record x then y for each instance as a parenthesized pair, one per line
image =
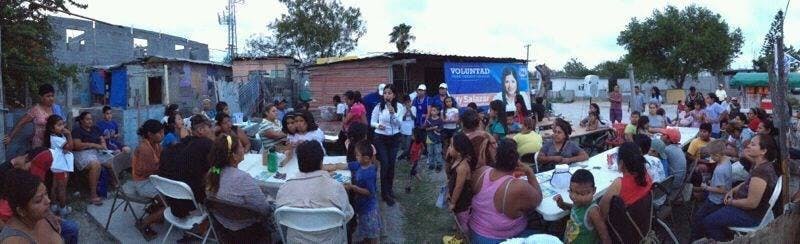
(272, 161)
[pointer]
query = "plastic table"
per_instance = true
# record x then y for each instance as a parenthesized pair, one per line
(252, 164)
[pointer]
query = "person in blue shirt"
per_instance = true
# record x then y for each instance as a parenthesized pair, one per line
(439, 100)
(421, 103)
(110, 131)
(714, 114)
(372, 99)
(364, 188)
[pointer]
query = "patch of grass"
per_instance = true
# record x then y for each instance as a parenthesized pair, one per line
(425, 223)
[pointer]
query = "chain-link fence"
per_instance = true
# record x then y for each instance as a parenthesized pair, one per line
(251, 94)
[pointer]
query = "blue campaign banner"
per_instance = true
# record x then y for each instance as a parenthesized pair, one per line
(482, 83)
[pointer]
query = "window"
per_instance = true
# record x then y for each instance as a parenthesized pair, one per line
(257, 74)
(72, 37)
(179, 47)
(155, 90)
(139, 43)
(278, 73)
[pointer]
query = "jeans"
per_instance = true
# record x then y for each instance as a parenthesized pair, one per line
(405, 146)
(387, 154)
(435, 155)
(717, 223)
(69, 231)
(698, 229)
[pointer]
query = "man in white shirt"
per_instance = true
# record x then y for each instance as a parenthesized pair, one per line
(721, 94)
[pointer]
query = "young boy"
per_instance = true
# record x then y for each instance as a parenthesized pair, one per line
(433, 126)
(720, 184)
(110, 131)
(407, 127)
(630, 129)
(586, 223)
(415, 153)
(341, 107)
(703, 138)
(365, 189)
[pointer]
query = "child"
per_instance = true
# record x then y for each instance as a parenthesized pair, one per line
(450, 114)
(291, 137)
(720, 184)
(630, 129)
(365, 179)
(407, 127)
(341, 107)
(59, 139)
(579, 229)
(593, 123)
(643, 126)
(433, 126)
(110, 131)
(461, 161)
(414, 154)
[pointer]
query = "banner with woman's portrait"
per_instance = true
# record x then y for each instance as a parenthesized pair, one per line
(482, 83)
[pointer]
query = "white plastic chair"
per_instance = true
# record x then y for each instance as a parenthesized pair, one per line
(309, 219)
(181, 191)
(768, 217)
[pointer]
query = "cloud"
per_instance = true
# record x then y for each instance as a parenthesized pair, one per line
(557, 30)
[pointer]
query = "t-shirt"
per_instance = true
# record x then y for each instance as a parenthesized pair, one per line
(695, 146)
(655, 168)
(435, 136)
(365, 177)
(528, 143)
(721, 178)
(407, 126)
(677, 161)
(169, 139)
(616, 102)
(767, 173)
(108, 127)
(495, 128)
(713, 113)
(341, 108)
(630, 129)
(637, 104)
(356, 111)
(657, 121)
(421, 104)
(90, 136)
(697, 117)
(451, 114)
(568, 150)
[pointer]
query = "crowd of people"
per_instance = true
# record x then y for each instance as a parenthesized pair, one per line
(486, 157)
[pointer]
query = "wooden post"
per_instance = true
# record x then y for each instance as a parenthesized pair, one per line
(779, 86)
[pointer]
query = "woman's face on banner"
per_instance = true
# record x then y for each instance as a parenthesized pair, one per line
(511, 85)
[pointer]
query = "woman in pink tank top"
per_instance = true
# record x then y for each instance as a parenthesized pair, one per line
(494, 221)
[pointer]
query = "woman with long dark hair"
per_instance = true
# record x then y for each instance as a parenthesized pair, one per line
(560, 150)
(497, 120)
(38, 116)
(225, 126)
(386, 119)
(629, 194)
(510, 90)
(146, 162)
(227, 182)
(88, 144)
(29, 205)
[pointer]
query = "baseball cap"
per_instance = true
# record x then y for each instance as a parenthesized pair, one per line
(443, 85)
(380, 88)
(673, 135)
(422, 87)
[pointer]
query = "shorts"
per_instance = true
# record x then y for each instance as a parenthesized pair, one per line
(145, 188)
(85, 157)
(369, 225)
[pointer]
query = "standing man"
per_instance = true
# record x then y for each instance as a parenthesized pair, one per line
(637, 104)
(615, 112)
(714, 114)
(721, 93)
(735, 108)
(372, 99)
(439, 100)
(421, 104)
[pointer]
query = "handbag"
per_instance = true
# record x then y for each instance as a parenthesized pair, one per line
(647, 238)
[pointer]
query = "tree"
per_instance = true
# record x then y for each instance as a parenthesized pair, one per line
(401, 37)
(675, 43)
(575, 68)
(611, 69)
(27, 56)
(311, 29)
(761, 63)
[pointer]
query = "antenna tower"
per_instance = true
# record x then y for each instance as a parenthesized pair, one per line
(228, 18)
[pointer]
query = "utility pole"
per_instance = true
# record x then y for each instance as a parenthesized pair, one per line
(228, 18)
(528, 52)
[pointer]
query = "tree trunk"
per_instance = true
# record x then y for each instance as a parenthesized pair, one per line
(778, 86)
(679, 81)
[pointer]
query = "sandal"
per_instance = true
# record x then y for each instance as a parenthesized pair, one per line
(97, 201)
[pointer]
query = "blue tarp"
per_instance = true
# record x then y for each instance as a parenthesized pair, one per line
(119, 88)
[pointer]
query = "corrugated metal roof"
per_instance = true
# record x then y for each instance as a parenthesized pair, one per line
(761, 79)
(440, 57)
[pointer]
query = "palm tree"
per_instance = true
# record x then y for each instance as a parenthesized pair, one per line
(401, 36)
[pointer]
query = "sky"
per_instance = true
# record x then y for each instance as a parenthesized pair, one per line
(556, 30)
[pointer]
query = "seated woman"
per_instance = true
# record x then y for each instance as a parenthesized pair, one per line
(656, 121)
(225, 126)
(32, 221)
(306, 129)
(88, 145)
(629, 195)
(643, 126)
(560, 150)
(174, 130)
(593, 107)
(145, 162)
(271, 130)
(501, 202)
(231, 184)
(747, 203)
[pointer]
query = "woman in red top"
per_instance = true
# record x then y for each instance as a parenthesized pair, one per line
(633, 189)
(356, 113)
(756, 115)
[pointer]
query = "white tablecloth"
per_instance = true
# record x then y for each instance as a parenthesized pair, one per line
(603, 177)
(252, 164)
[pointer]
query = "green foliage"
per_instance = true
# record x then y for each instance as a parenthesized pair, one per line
(675, 43)
(401, 37)
(27, 57)
(767, 56)
(311, 29)
(611, 69)
(575, 69)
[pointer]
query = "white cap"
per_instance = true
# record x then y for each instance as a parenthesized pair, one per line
(380, 88)
(443, 85)
(422, 87)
